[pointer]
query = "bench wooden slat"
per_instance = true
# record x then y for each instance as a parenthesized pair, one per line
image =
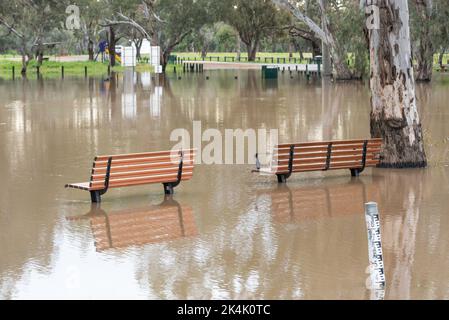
(322, 160)
(148, 181)
(142, 160)
(324, 148)
(286, 155)
(127, 174)
(169, 177)
(143, 154)
(137, 167)
(314, 167)
(334, 142)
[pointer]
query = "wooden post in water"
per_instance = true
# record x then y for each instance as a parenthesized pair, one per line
(62, 72)
(37, 71)
(85, 71)
(13, 72)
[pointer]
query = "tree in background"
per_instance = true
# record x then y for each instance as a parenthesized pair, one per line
(325, 33)
(394, 111)
(430, 30)
(29, 22)
(253, 20)
(90, 19)
(166, 22)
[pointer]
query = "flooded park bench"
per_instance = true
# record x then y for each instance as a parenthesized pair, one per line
(124, 170)
(354, 155)
(139, 226)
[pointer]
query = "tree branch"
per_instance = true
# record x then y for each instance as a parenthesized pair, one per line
(320, 33)
(11, 28)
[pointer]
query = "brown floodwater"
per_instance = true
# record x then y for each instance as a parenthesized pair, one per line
(227, 233)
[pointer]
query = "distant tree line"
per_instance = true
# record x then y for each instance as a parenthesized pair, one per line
(32, 27)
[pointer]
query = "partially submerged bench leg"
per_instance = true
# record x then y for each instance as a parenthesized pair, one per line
(95, 196)
(355, 172)
(282, 178)
(169, 188)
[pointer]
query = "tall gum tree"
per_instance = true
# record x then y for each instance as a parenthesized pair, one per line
(394, 111)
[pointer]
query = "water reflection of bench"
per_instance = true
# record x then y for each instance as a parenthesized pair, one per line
(295, 204)
(141, 226)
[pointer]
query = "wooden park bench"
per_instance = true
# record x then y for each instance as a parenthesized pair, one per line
(354, 155)
(140, 226)
(124, 170)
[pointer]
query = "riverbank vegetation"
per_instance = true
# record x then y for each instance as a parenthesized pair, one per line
(333, 29)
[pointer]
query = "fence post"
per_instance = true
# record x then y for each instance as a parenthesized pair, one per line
(62, 72)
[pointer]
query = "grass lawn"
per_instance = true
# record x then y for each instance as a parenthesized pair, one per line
(52, 69)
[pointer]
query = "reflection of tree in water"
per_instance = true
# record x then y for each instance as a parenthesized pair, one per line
(399, 231)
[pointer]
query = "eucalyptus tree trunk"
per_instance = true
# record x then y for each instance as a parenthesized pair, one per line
(394, 113)
(325, 53)
(237, 46)
(111, 46)
(251, 48)
(424, 50)
(90, 49)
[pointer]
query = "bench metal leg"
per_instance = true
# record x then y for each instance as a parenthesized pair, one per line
(95, 196)
(355, 172)
(168, 188)
(282, 178)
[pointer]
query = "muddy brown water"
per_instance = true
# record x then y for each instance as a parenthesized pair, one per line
(228, 233)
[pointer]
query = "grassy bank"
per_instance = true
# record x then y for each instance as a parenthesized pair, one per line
(52, 69)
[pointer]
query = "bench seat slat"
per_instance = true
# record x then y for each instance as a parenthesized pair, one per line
(136, 182)
(137, 173)
(79, 185)
(170, 177)
(315, 167)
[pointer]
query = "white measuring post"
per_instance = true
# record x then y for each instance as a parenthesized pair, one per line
(156, 59)
(376, 261)
(128, 56)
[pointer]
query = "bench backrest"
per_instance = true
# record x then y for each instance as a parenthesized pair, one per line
(142, 226)
(141, 168)
(327, 155)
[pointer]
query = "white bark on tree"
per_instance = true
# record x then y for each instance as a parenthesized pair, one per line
(394, 113)
(342, 71)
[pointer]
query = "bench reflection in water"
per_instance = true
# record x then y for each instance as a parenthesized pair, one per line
(138, 226)
(293, 204)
